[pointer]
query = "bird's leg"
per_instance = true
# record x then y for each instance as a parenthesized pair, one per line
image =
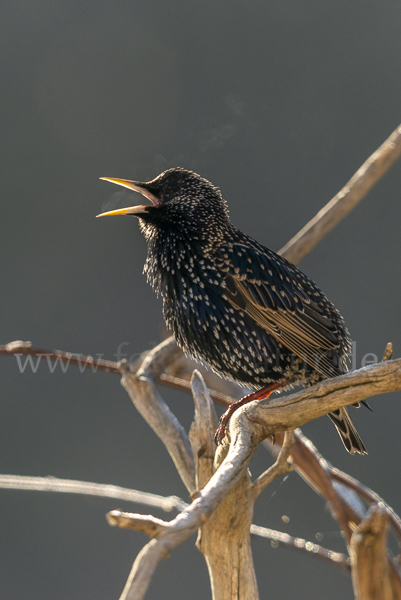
(258, 395)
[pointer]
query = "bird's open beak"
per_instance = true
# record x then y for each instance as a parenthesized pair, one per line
(131, 210)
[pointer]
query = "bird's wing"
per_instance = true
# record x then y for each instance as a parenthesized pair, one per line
(286, 303)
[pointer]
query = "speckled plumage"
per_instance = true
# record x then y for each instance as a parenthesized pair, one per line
(232, 303)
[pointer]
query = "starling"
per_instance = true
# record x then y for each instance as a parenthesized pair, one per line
(233, 304)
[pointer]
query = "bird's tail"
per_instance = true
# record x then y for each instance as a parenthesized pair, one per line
(346, 429)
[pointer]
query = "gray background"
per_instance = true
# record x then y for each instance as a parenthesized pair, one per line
(276, 102)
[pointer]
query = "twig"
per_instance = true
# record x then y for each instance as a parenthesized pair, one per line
(185, 386)
(147, 524)
(201, 433)
(388, 352)
(157, 414)
(336, 559)
(315, 470)
(19, 348)
(282, 465)
(157, 360)
(369, 496)
(347, 199)
(69, 486)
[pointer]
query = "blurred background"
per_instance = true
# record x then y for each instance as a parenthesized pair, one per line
(278, 103)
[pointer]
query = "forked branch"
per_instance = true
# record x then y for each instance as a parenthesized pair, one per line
(248, 426)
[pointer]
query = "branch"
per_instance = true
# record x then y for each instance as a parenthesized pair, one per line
(168, 503)
(316, 471)
(187, 522)
(369, 496)
(388, 352)
(201, 433)
(19, 348)
(153, 527)
(289, 412)
(69, 486)
(346, 200)
(9, 349)
(247, 427)
(371, 569)
(335, 559)
(147, 524)
(343, 500)
(155, 411)
(282, 465)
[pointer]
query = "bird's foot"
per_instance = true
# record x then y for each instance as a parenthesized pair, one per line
(261, 394)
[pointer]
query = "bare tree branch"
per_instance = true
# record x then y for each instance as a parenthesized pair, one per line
(388, 352)
(157, 414)
(372, 381)
(369, 496)
(69, 486)
(157, 360)
(225, 540)
(185, 386)
(166, 503)
(315, 470)
(147, 524)
(201, 433)
(344, 501)
(288, 412)
(19, 348)
(346, 200)
(282, 465)
(335, 559)
(247, 427)
(187, 522)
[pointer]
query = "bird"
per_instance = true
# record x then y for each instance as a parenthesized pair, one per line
(234, 305)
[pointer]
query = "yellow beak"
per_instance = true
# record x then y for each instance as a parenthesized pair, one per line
(131, 210)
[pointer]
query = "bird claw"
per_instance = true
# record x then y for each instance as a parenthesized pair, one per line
(220, 431)
(258, 395)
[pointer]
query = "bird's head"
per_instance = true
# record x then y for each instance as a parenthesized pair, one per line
(179, 199)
